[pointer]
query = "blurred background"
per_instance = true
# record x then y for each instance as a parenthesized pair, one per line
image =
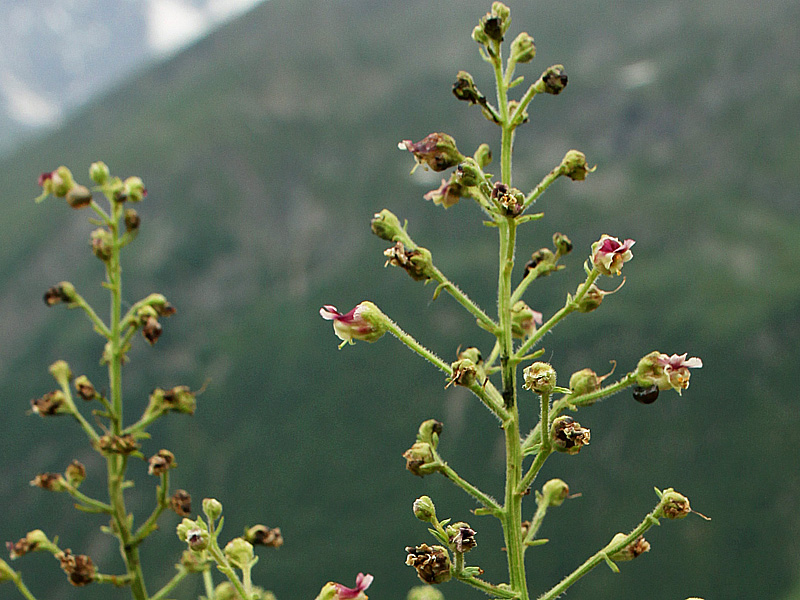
(267, 137)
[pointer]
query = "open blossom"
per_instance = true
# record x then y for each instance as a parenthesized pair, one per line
(609, 254)
(676, 369)
(365, 322)
(337, 591)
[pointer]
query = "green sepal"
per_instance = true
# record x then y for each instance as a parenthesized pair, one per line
(516, 82)
(471, 572)
(610, 563)
(439, 536)
(438, 290)
(88, 509)
(539, 542)
(526, 218)
(490, 223)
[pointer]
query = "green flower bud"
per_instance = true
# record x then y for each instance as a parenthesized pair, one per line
(62, 181)
(524, 320)
(554, 492)
(631, 551)
(420, 460)
(523, 49)
(418, 263)
(591, 300)
(540, 377)
(429, 432)
(553, 80)
(431, 562)
(240, 553)
(178, 399)
(387, 226)
(673, 505)
(79, 196)
(543, 260)
(424, 592)
(75, 473)
(98, 172)
(424, 509)
(132, 221)
(479, 36)
(562, 244)
(84, 388)
(584, 381)
(133, 189)
(464, 89)
(197, 539)
(212, 508)
(102, 244)
(261, 535)
(574, 166)
(61, 372)
(193, 563)
(494, 24)
(568, 436)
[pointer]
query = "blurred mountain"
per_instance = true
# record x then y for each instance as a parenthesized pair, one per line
(267, 147)
(56, 55)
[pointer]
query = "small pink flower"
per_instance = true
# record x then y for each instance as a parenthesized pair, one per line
(609, 254)
(436, 151)
(362, 583)
(676, 369)
(446, 195)
(365, 322)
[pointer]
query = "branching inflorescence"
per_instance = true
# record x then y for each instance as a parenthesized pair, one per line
(518, 330)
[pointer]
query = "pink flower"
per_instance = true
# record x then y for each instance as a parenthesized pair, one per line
(436, 150)
(365, 322)
(676, 369)
(362, 583)
(609, 254)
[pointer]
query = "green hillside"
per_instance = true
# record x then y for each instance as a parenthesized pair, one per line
(267, 148)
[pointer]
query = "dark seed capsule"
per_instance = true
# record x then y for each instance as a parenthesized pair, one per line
(646, 395)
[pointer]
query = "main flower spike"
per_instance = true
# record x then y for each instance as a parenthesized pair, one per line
(365, 322)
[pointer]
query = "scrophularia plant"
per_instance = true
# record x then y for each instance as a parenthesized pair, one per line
(492, 374)
(117, 225)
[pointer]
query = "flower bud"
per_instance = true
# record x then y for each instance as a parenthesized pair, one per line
(195, 564)
(84, 388)
(63, 292)
(478, 35)
(429, 432)
(543, 260)
(448, 193)
(420, 460)
(524, 320)
(464, 89)
(178, 399)
(424, 592)
(673, 505)
(133, 190)
(161, 462)
(387, 226)
(424, 509)
(181, 503)
(562, 244)
(61, 372)
(79, 568)
(591, 300)
(98, 172)
(554, 492)
(494, 24)
(75, 473)
(540, 377)
(583, 382)
(132, 220)
(212, 508)
(574, 166)
(609, 254)
(34, 541)
(260, 535)
(52, 403)
(568, 436)
(523, 49)
(466, 371)
(58, 182)
(52, 482)
(437, 151)
(194, 533)
(554, 80)
(364, 322)
(102, 244)
(631, 551)
(240, 553)
(461, 536)
(431, 562)
(79, 197)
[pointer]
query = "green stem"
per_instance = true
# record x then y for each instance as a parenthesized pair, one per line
(23, 589)
(465, 485)
(490, 589)
(162, 503)
(208, 584)
(117, 580)
(170, 585)
(414, 345)
(99, 326)
(95, 505)
(602, 555)
(461, 298)
(226, 569)
(542, 186)
(536, 523)
(511, 518)
(571, 305)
